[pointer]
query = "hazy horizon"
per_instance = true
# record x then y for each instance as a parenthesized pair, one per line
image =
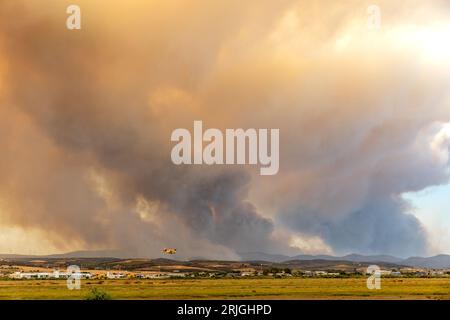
(111, 253)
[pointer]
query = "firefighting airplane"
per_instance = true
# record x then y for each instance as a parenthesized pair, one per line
(169, 250)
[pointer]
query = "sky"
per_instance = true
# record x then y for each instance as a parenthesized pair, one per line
(359, 91)
(431, 207)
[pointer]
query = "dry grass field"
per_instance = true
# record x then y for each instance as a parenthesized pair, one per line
(293, 288)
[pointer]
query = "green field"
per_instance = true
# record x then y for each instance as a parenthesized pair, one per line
(293, 288)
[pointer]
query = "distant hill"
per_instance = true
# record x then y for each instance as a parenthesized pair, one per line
(313, 257)
(260, 256)
(72, 254)
(304, 257)
(342, 265)
(91, 254)
(374, 258)
(439, 262)
(15, 256)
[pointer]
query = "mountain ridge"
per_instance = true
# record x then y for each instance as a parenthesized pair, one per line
(440, 261)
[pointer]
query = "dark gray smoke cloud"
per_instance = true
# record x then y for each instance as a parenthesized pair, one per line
(378, 227)
(90, 99)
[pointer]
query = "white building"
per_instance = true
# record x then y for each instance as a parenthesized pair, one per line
(49, 275)
(111, 275)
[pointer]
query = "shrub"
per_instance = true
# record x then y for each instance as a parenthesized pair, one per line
(98, 294)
